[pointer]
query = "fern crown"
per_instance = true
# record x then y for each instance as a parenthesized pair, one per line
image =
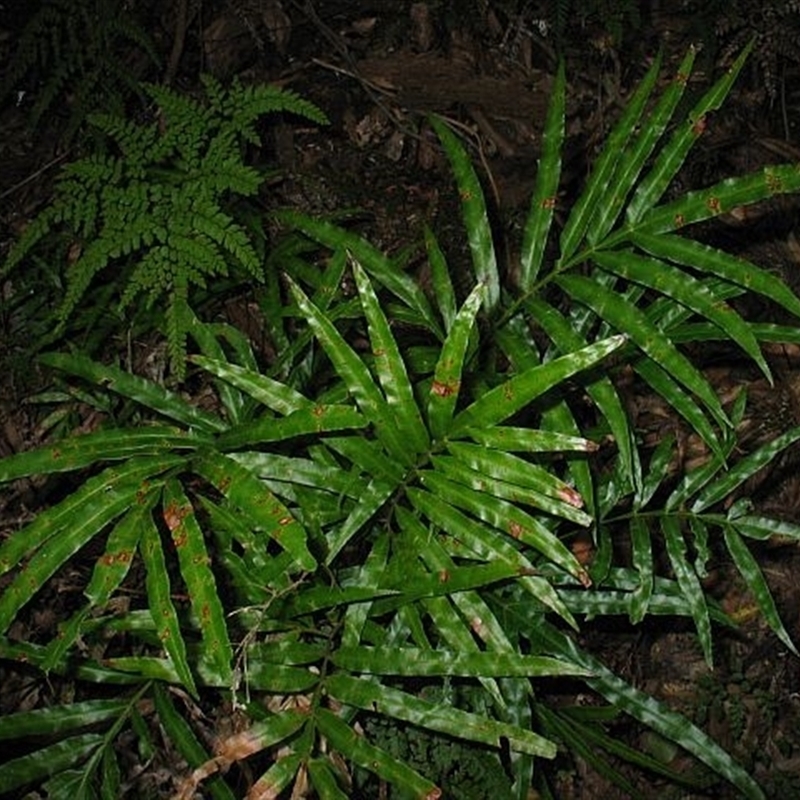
(160, 207)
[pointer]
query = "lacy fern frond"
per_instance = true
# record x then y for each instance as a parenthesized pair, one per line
(77, 48)
(159, 211)
(774, 29)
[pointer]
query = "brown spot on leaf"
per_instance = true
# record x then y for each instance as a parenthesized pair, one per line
(445, 389)
(571, 497)
(174, 515)
(699, 127)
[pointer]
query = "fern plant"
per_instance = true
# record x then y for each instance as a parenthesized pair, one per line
(392, 539)
(159, 211)
(616, 17)
(73, 52)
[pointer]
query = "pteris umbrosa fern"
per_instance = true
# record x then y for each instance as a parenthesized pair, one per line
(78, 54)
(158, 211)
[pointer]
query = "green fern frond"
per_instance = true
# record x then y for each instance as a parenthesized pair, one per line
(77, 49)
(136, 141)
(31, 48)
(159, 210)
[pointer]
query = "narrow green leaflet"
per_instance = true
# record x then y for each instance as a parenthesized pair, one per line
(367, 755)
(749, 569)
(513, 469)
(279, 775)
(705, 258)
(60, 719)
(390, 368)
(457, 470)
(307, 420)
(303, 471)
(499, 403)
(230, 525)
(183, 737)
(658, 470)
(410, 661)
(441, 283)
(700, 543)
(83, 670)
(642, 557)
(530, 440)
(629, 319)
(687, 291)
(47, 761)
(692, 482)
(250, 495)
(356, 376)
(454, 614)
(159, 599)
(374, 566)
(719, 199)
(600, 188)
(275, 395)
(108, 573)
(321, 597)
(372, 499)
(274, 729)
(112, 445)
(233, 400)
(578, 727)
(110, 775)
(194, 560)
(681, 401)
(95, 511)
(448, 580)
(325, 780)
(446, 383)
(473, 209)
(745, 468)
(382, 699)
(286, 651)
(379, 266)
(673, 155)
(277, 678)
(87, 504)
(764, 528)
(369, 456)
(602, 390)
(566, 505)
(545, 192)
(468, 538)
(640, 151)
(453, 629)
(149, 394)
(688, 582)
(508, 519)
